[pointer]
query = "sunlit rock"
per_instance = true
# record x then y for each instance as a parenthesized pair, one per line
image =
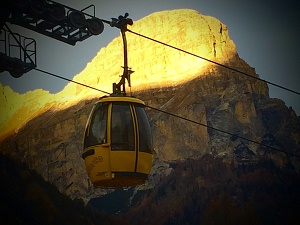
(46, 130)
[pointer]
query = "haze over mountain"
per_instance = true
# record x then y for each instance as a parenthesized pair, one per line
(45, 130)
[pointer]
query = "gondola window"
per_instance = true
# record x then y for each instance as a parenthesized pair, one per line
(122, 133)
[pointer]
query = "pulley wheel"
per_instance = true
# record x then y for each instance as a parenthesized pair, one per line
(77, 19)
(95, 26)
(17, 71)
(129, 22)
(19, 4)
(57, 11)
(38, 6)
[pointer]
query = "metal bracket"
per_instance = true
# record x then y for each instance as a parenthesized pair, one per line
(121, 23)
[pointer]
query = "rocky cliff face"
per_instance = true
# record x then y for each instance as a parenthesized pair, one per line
(46, 130)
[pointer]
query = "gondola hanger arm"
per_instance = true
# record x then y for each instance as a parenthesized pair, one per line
(121, 22)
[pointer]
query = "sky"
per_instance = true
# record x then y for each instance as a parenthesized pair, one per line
(266, 34)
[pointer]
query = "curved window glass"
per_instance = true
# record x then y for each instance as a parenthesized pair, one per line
(122, 133)
(96, 133)
(144, 130)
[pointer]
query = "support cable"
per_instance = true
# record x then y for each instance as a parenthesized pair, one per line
(63, 78)
(222, 131)
(219, 64)
(179, 117)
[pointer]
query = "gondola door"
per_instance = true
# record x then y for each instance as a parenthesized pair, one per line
(123, 136)
(118, 143)
(144, 141)
(96, 144)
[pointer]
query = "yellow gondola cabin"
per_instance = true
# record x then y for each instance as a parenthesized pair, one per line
(118, 143)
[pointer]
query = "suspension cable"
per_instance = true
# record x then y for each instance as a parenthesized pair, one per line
(222, 131)
(214, 62)
(180, 117)
(63, 78)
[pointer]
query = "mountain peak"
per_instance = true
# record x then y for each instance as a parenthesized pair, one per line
(48, 128)
(155, 65)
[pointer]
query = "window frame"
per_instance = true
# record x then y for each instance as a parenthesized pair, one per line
(142, 120)
(89, 138)
(131, 143)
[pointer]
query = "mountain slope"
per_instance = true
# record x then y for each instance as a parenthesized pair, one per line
(154, 65)
(51, 139)
(27, 199)
(211, 190)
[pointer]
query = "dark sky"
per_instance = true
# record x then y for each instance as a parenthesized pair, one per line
(266, 34)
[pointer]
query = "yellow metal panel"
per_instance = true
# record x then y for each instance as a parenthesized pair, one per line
(144, 162)
(98, 165)
(108, 124)
(121, 99)
(122, 161)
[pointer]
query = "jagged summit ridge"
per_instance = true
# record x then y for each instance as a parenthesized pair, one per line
(51, 140)
(155, 65)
